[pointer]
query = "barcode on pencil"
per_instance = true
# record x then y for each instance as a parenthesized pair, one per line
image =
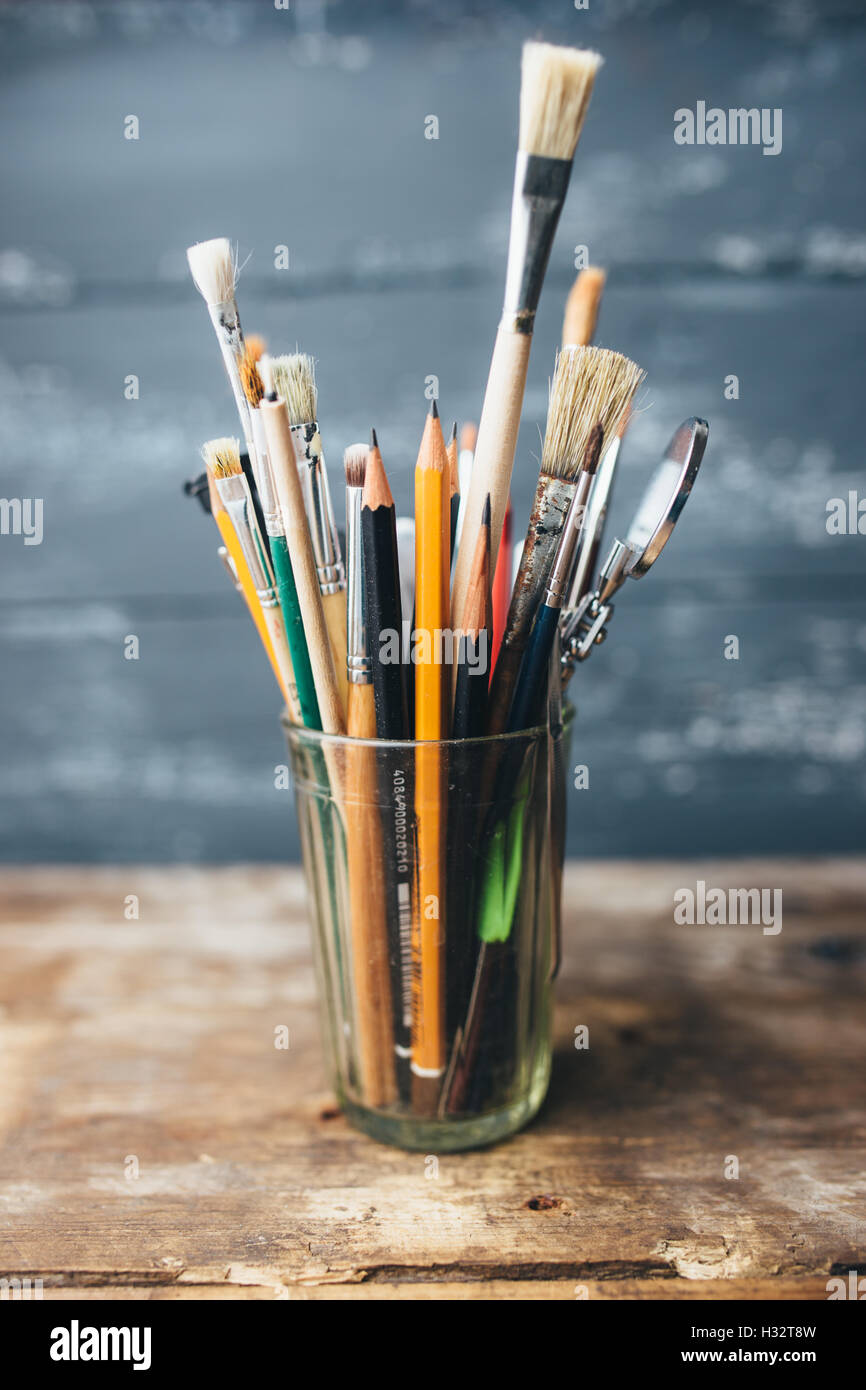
(404, 912)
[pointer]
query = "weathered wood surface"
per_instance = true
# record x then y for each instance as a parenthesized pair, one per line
(150, 1042)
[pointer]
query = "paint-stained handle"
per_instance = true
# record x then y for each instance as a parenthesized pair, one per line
(494, 455)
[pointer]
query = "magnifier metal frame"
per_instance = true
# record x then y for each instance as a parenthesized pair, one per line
(583, 627)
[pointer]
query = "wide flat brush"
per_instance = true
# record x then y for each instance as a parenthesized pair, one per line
(556, 85)
(590, 386)
(530, 694)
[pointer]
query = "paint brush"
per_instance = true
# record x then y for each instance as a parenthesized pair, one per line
(295, 382)
(556, 85)
(254, 391)
(530, 692)
(590, 386)
(213, 265)
(284, 469)
(222, 460)
(582, 306)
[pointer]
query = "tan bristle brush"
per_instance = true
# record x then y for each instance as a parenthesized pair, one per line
(556, 85)
(591, 387)
(295, 382)
(223, 462)
(582, 306)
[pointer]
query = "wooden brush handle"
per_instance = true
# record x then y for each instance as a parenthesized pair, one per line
(277, 633)
(494, 456)
(335, 620)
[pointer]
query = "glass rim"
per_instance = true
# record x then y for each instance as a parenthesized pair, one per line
(315, 736)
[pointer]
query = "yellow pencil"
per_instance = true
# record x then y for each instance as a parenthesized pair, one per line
(431, 623)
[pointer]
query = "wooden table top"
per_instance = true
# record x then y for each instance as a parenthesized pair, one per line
(155, 1143)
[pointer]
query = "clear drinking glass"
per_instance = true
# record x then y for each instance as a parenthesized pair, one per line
(433, 873)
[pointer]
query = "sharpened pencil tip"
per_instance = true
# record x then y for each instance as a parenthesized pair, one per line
(434, 409)
(453, 434)
(374, 443)
(485, 515)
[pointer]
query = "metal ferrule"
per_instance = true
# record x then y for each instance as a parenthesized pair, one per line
(593, 532)
(540, 186)
(549, 511)
(264, 478)
(227, 324)
(318, 507)
(236, 499)
(562, 565)
(358, 665)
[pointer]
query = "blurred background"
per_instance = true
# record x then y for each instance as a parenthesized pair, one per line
(305, 127)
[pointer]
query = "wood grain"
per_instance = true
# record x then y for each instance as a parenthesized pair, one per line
(151, 1043)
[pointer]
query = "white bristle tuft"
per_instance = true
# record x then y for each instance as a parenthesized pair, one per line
(555, 88)
(222, 457)
(295, 381)
(214, 269)
(590, 386)
(355, 464)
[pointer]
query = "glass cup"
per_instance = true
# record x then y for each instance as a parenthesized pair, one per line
(434, 872)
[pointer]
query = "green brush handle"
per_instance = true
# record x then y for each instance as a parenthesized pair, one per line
(295, 632)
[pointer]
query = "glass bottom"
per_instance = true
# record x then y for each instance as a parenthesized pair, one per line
(453, 1134)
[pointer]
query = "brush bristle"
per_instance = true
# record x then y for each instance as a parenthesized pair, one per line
(355, 463)
(251, 379)
(222, 457)
(591, 386)
(555, 88)
(295, 380)
(255, 345)
(214, 269)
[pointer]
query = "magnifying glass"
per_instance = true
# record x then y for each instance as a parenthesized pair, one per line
(583, 627)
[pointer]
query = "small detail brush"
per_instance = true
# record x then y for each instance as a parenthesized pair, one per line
(223, 462)
(254, 391)
(295, 382)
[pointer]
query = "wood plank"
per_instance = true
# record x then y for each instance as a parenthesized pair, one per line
(152, 1041)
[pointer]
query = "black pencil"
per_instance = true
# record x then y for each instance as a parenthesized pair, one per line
(453, 486)
(383, 613)
(383, 616)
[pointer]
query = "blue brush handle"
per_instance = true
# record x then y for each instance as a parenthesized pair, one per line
(531, 689)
